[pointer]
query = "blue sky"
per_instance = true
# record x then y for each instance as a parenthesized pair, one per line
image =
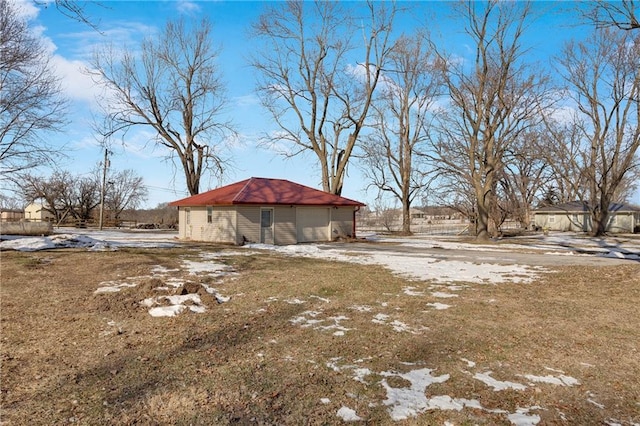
(126, 22)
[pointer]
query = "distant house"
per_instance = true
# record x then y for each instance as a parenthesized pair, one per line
(574, 216)
(35, 212)
(261, 210)
(11, 215)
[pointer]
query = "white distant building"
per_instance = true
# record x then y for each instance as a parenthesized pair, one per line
(35, 212)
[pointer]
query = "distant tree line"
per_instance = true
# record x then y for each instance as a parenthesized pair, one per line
(69, 197)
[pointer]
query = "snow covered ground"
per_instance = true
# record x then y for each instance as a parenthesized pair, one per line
(436, 262)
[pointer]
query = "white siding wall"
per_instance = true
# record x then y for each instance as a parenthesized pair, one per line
(222, 228)
(182, 223)
(198, 222)
(621, 222)
(248, 224)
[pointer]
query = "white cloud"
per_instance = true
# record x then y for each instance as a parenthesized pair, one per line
(246, 101)
(187, 7)
(25, 9)
(76, 84)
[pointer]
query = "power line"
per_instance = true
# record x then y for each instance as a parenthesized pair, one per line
(171, 190)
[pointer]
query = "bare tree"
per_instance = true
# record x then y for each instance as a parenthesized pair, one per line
(308, 81)
(74, 9)
(492, 101)
(174, 89)
(564, 152)
(83, 197)
(620, 14)
(53, 191)
(525, 174)
(31, 101)
(457, 194)
(125, 190)
(393, 152)
(604, 81)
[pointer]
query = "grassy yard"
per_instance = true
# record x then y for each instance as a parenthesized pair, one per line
(302, 339)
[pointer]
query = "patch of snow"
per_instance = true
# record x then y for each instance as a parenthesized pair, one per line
(166, 311)
(348, 415)
(445, 402)
(416, 266)
(306, 322)
(380, 318)
(442, 295)
(438, 306)
(221, 299)
(597, 404)
(411, 401)
(498, 385)
(163, 270)
(398, 326)
(470, 364)
(325, 400)
(410, 291)
(456, 287)
(522, 417)
(206, 267)
(360, 374)
(176, 306)
(113, 288)
(561, 380)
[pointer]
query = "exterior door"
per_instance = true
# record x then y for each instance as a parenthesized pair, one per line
(266, 226)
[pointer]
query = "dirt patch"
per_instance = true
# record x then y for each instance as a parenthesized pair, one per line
(301, 338)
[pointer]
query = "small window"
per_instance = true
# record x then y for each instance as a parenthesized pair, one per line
(266, 219)
(552, 218)
(187, 213)
(209, 214)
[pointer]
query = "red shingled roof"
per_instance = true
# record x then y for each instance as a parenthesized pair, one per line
(265, 191)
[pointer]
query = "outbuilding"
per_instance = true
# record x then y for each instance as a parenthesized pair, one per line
(36, 212)
(575, 216)
(270, 211)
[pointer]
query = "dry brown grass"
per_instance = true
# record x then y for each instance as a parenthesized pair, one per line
(71, 356)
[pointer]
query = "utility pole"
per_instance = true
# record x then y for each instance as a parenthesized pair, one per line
(104, 182)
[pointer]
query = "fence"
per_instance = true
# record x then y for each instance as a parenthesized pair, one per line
(26, 228)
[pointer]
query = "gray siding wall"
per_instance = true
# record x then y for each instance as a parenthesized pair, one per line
(618, 223)
(342, 222)
(313, 224)
(248, 224)
(285, 225)
(563, 221)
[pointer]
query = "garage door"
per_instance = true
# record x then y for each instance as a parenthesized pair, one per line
(312, 224)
